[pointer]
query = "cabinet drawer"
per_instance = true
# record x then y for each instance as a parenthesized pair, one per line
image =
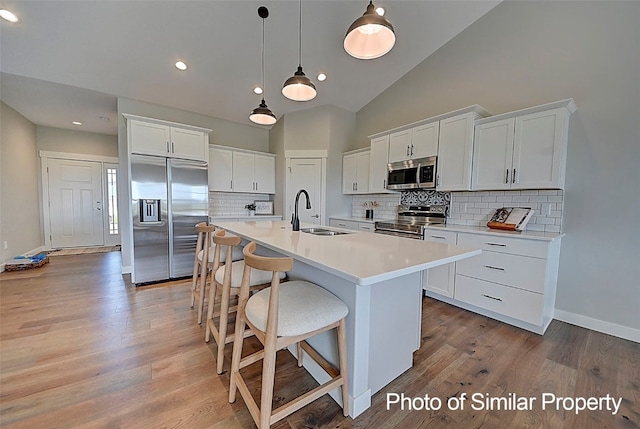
(516, 303)
(495, 243)
(522, 272)
(447, 237)
(348, 224)
(366, 226)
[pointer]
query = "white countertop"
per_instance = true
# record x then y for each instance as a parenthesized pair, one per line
(530, 235)
(359, 257)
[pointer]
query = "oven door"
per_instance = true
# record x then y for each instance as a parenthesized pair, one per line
(400, 234)
(397, 231)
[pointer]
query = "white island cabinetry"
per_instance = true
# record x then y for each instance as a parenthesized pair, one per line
(378, 277)
(440, 279)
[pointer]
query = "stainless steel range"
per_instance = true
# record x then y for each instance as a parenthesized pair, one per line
(411, 220)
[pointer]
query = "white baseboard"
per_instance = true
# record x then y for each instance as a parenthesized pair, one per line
(620, 331)
(125, 269)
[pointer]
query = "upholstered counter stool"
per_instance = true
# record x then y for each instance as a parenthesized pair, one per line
(205, 250)
(279, 316)
(226, 280)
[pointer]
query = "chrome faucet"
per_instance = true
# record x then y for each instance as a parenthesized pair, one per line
(295, 221)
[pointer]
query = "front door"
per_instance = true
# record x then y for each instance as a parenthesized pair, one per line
(75, 203)
(305, 173)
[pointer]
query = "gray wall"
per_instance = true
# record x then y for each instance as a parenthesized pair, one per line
(522, 54)
(224, 133)
(327, 128)
(276, 145)
(19, 172)
(80, 142)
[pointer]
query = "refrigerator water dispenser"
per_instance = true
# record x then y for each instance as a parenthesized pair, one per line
(149, 211)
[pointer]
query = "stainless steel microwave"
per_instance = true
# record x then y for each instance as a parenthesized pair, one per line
(412, 174)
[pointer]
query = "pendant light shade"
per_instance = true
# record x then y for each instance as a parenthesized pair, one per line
(299, 87)
(262, 114)
(370, 36)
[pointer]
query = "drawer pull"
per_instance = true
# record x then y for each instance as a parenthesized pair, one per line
(496, 244)
(492, 297)
(494, 268)
(439, 236)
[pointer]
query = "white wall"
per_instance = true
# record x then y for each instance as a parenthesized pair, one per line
(19, 200)
(522, 54)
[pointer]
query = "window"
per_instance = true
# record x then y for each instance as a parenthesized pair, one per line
(112, 199)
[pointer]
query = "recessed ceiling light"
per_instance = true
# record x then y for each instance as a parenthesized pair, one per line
(257, 90)
(322, 77)
(76, 123)
(180, 65)
(380, 11)
(7, 15)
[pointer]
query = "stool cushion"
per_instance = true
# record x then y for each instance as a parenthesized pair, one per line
(236, 254)
(258, 277)
(303, 307)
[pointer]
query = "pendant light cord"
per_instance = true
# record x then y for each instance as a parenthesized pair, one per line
(263, 88)
(300, 34)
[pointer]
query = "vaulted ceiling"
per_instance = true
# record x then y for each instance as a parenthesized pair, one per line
(70, 60)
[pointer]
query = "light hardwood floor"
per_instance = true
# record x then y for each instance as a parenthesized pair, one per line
(82, 348)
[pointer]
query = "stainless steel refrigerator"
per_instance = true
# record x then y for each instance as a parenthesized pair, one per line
(170, 196)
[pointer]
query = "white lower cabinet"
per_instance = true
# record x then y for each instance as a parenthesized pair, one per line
(353, 224)
(440, 279)
(513, 280)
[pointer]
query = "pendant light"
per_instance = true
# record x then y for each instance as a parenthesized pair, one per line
(299, 87)
(370, 36)
(262, 114)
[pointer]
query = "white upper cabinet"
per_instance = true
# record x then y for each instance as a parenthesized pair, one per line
(241, 171)
(416, 142)
(160, 138)
(378, 161)
(355, 173)
(220, 169)
(455, 151)
(524, 149)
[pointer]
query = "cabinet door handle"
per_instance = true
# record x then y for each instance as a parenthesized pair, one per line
(412, 150)
(172, 148)
(506, 178)
(494, 268)
(407, 150)
(496, 244)
(384, 183)
(492, 297)
(513, 179)
(168, 147)
(356, 186)
(256, 186)
(230, 184)
(438, 179)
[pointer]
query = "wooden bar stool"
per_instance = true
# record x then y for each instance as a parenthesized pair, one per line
(279, 316)
(205, 250)
(226, 280)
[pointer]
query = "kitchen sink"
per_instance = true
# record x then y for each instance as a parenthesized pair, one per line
(322, 231)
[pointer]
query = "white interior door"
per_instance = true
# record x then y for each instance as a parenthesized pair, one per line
(75, 203)
(305, 173)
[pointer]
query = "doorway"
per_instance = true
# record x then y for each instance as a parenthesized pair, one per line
(308, 174)
(79, 200)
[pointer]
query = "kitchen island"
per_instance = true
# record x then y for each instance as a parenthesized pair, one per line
(379, 279)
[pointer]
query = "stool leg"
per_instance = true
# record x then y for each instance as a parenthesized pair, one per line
(224, 318)
(203, 288)
(342, 357)
(299, 353)
(268, 377)
(196, 265)
(209, 324)
(238, 340)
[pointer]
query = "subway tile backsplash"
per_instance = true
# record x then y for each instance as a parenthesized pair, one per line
(476, 208)
(232, 204)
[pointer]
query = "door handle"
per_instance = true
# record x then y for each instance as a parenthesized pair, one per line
(513, 179)
(316, 216)
(412, 150)
(407, 150)
(506, 179)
